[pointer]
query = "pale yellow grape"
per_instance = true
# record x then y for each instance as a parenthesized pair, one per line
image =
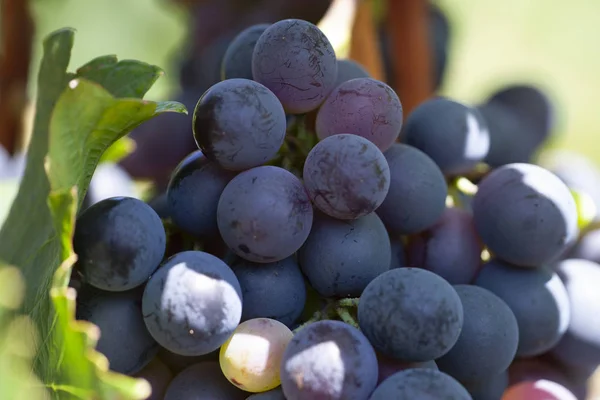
(251, 357)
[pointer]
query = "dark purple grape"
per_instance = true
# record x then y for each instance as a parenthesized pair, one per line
(450, 248)
(264, 214)
(294, 59)
(239, 124)
(328, 360)
(346, 176)
(364, 107)
(193, 194)
(349, 69)
(237, 62)
(524, 214)
(422, 384)
(203, 381)
(417, 195)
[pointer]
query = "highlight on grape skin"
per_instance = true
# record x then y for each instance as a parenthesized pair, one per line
(295, 60)
(346, 176)
(365, 107)
(251, 357)
(239, 124)
(538, 390)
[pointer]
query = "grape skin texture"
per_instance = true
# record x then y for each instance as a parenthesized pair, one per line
(193, 194)
(365, 107)
(349, 69)
(124, 339)
(524, 214)
(264, 214)
(159, 377)
(119, 242)
(251, 357)
(580, 346)
(422, 384)
(328, 360)
(295, 60)
(454, 135)
(192, 304)
(417, 194)
(340, 258)
(237, 61)
(389, 366)
(239, 124)
(538, 300)
(346, 176)
(488, 340)
(450, 248)
(274, 290)
(410, 314)
(275, 394)
(203, 381)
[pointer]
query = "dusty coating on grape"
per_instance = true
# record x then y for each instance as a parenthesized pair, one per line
(417, 194)
(192, 304)
(537, 298)
(193, 194)
(365, 107)
(239, 124)
(422, 384)
(272, 290)
(349, 69)
(346, 176)
(524, 214)
(410, 314)
(124, 339)
(328, 360)
(237, 61)
(454, 135)
(488, 340)
(340, 258)
(119, 242)
(295, 60)
(451, 248)
(203, 381)
(580, 346)
(264, 214)
(250, 359)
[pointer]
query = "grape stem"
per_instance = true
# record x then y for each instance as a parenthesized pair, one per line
(335, 308)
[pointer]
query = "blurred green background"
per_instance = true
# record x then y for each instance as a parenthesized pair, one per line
(552, 44)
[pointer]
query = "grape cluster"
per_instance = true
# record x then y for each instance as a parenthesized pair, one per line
(354, 262)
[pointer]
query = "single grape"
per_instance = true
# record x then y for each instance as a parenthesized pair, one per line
(124, 339)
(295, 60)
(273, 290)
(193, 194)
(422, 384)
(119, 242)
(251, 357)
(159, 377)
(490, 388)
(264, 214)
(538, 390)
(192, 304)
(237, 62)
(580, 346)
(454, 135)
(203, 381)
(488, 340)
(538, 300)
(398, 259)
(346, 176)
(239, 124)
(328, 360)
(524, 214)
(365, 107)
(349, 69)
(587, 247)
(410, 314)
(340, 258)
(388, 366)
(275, 394)
(450, 248)
(417, 195)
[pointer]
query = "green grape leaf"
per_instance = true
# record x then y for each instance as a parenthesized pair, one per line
(119, 150)
(78, 116)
